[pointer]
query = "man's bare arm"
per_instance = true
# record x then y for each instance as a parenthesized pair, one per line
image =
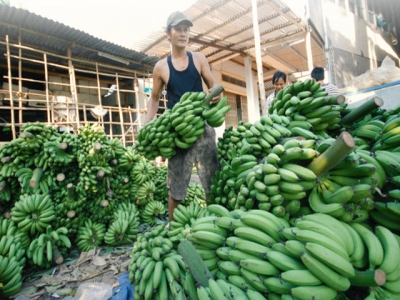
(152, 105)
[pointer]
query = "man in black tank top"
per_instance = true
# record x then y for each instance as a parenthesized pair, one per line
(181, 72)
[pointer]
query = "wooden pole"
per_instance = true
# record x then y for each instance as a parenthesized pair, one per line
(131, 124)
(20, 76)
(99, 94)
(256, 30)
(10, 89)
(72, 86)
(46, 78)
(121, 116)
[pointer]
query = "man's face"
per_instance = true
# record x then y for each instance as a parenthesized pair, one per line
(179, 35)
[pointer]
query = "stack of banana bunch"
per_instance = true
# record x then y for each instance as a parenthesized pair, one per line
(152, 212)
(8, 186)
(156, 268)
(33, 213)
(43, 250)
(143, 186)
(308, 102)
(123, 226)
(184, 218)
(221, 288)
(257, 138)
(55, 154)
(128, 160)
(319, 258)
(182, 125)
(195, 193)
(215, 114)
(386, 211)
(34, 180)
(278, 182)
(90, 235)
(12, 262)
(156, 138)
(160, 179)
(347, 191)
(388, 136)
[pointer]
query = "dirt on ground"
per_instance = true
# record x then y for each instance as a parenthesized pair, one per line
(103, 265)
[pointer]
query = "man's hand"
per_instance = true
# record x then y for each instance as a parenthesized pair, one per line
(216, 99)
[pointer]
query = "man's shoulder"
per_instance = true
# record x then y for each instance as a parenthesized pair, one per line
(161, 62)
(197, 55)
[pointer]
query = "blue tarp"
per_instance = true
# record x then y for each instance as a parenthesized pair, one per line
(125, 290)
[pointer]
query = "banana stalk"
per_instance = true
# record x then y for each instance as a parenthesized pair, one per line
(361, 111)
(215, 92)
(343, 145)
(368, 278)
(195, 263)
(36, 175)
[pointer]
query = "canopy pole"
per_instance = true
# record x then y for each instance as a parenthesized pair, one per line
(257, 43)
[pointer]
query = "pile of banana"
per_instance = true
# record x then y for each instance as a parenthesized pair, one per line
(156, 268)
(33, 213)
(195, 193)
(278, 182)
(152, 212)
(318, 258)
(90, 235)
(182, 125)
(184, 218)
(123, 226)
(12, 262)
(387, 214)
(160, 179)
(308, 102)
(43, 250)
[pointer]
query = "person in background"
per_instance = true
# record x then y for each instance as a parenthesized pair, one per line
(279, 82)
(183, 71)
(318, 74)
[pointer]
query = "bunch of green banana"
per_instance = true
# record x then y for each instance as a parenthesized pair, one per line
(56, 154)
(46, 244)
(33, 213)
(157, 138)
(152, 212)
(215, 114)
(308, 102)
(187, 215)
(129, 158)
(195, 193)
(123, 228)
(34, 180)
(90, 235)
(390, 161)
(156, 269)
(6, 189)
(387, 139)
(183, 217)
(386, 214)
(160, 180)
(120, 185)
(144, 193)
(368, 131)
(143, 171)
(10, 275)
(11, 247)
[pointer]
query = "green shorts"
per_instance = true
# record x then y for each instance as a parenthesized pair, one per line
(202, 154)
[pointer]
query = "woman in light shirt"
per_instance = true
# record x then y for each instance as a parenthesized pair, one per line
(279, 82)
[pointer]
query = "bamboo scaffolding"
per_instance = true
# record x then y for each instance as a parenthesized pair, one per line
(45, 103)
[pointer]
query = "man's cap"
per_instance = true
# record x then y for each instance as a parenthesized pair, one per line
(176, 18)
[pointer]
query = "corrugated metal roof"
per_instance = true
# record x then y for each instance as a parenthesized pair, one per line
(48, 35)
(223, 29)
